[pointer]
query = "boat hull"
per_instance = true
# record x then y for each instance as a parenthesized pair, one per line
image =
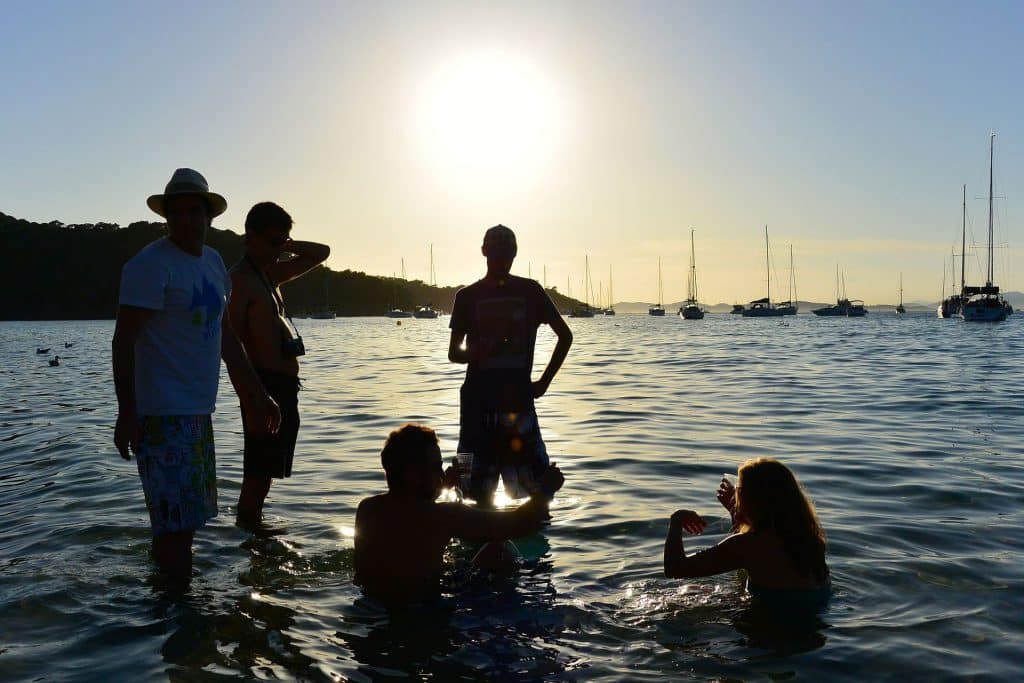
(691, 313)
(985, 311)
(762, 313)
(657, 312)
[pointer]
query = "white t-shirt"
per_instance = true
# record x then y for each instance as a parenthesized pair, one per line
(177, 355)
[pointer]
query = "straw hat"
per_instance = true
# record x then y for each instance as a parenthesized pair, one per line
(187, 181)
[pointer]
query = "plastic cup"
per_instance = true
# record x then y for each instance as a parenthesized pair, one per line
(464, 468)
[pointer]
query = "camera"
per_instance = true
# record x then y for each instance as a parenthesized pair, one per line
(293, 348)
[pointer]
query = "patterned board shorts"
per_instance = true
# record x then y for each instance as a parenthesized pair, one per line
(505, 444)
(178, 471)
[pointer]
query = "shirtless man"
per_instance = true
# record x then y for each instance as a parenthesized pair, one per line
(401, 535)
(257, 313)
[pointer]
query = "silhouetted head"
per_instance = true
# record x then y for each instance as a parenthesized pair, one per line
(769, 498)
(189, 207)
(267, 229)
(500, 249)
(412, 462)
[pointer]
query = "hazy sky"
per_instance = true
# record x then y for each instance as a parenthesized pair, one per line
(600, 129)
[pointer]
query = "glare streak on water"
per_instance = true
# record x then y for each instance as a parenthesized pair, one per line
(906, 432)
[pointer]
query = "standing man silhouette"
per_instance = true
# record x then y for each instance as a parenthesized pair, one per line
(257, 313)
(493, 331)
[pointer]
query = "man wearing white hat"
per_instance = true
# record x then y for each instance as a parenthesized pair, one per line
(170, 336)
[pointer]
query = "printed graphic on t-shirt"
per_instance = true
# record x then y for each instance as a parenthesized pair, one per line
(502, 322)
(206, 307)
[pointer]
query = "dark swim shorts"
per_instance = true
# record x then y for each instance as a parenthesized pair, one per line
(269, 456)
(505, 444)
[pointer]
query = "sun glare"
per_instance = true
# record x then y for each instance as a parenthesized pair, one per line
(493, 113)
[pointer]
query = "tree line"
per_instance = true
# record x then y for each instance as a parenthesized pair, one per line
(53, 271)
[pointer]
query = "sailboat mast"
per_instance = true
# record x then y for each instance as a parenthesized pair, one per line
(991, 146)
(611, 298)
(586, 280)
(963, 242)
(792, 277)
(692, 288)
(768, 266)
(659, 281)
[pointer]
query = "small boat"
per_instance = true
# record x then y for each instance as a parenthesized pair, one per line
(764, 308)
(790, 307)
(986, 304)
(325, 313)
(850, 308)
(737, 309)
(611, 299)
(951, 305)
(584, 311)
(657, 309)
(399, 313)
(900, 308)
(424, 312)
(55, 362)
(691, 310)
(46, 350)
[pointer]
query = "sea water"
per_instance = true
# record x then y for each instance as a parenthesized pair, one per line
(906, 432)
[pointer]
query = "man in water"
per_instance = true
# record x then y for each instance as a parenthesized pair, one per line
(257, 313)
(401, 535)
(497, 318)
(169, 339)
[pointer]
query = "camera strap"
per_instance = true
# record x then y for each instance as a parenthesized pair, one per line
(269, 285)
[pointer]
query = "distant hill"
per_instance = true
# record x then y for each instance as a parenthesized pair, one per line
(53, 271)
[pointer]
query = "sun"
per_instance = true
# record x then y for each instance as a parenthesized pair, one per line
(491, 114)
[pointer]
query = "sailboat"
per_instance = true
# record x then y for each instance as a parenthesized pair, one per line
(692, 310)
(611, 300)
(428, 311)
(900, 308)
(951, 305)
(985, 304)
(584, 311)
(397, 311)
(844, 307)
(657, 309)
(764, 308)
(325, 313)
(790, 307)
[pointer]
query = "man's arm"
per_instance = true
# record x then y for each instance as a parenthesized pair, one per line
(308, 255)
(262, 414)
(561, 350)
(462, 521)
(457, 354)
(130, 321)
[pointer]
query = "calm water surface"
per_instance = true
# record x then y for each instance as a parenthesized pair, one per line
(906, 432)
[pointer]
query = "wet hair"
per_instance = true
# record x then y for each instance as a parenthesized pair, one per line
(264, 216)
(407, 445)
(769, 498)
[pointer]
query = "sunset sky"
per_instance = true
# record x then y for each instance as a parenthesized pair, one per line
(600, 129)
